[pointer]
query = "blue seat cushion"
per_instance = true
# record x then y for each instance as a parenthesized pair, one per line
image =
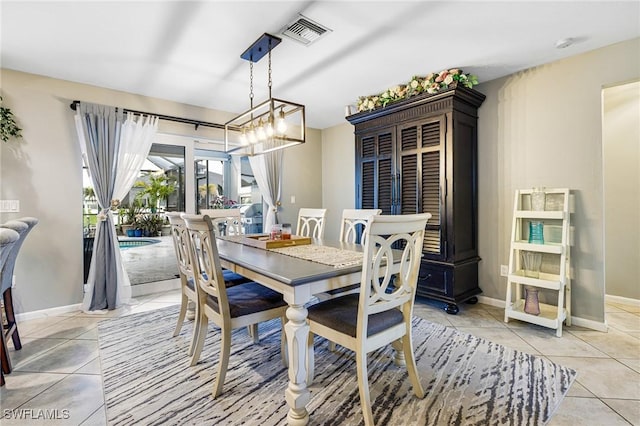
(249, 298)
(230, 279)
(341, 314)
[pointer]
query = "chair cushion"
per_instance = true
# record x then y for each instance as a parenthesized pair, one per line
(190, 284)
(249, 298)
(230, 279)
(341, 314)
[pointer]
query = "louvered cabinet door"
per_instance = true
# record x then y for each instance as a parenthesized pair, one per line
(421, 179)
(374, 157)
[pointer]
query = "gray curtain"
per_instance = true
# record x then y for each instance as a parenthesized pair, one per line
(101, 126)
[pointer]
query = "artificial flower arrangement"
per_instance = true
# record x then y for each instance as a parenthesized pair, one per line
(432, 83)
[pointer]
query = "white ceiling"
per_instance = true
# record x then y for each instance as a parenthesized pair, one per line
(189, 52)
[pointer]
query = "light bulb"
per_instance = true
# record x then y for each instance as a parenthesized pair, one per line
(281, 125)
(243, 137)
(260, 133)
(252, 135)
(269, 127)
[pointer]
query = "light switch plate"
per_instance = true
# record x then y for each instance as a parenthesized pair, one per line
(9, 206)
(504, 270)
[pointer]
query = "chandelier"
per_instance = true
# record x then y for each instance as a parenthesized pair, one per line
(269, 126)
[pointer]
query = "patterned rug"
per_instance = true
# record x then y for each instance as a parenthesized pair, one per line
(467, 380)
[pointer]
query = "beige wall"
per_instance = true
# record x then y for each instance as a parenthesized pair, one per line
(539, 127)
(43, 171)
(301, 177)
(338, 164)
(543, 127)
(621, 151)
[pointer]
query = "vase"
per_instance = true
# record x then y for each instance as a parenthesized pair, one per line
(532, 262)
(131, 233)
(538, 198)
(536, 232)
(531, 303)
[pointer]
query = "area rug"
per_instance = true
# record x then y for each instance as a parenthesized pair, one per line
(467, 380)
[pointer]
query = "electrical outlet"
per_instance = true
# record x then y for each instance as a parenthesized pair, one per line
(504, 270)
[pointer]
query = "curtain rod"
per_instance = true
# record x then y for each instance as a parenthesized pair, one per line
(196, 123)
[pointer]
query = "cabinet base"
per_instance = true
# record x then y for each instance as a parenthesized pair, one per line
(449, 283)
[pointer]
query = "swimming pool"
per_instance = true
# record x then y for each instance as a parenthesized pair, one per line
(128, 243)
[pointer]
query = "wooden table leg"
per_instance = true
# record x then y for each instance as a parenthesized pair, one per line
(297, 395)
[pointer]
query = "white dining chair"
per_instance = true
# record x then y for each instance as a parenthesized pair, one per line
(354, 222)
(311, 222)
(186, 273)
(227, 307)
(225, 221)
(381, 313)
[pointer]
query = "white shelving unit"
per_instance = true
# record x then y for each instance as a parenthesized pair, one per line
(556, 265)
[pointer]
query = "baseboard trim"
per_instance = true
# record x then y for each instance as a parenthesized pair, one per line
(136, 291)
(621, 300)
(590, 324)
(498, 303)
(155, 287)
(49, 312)
(580, 322)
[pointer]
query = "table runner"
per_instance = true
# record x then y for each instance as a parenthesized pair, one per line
(332, 256)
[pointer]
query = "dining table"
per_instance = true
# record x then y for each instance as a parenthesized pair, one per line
(297, 279)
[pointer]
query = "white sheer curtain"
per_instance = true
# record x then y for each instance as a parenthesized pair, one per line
(133, 142)
(267, 169)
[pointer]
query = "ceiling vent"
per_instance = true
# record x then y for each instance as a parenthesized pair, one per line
(304, 30)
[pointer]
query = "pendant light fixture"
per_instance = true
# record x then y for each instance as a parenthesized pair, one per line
(269, 126)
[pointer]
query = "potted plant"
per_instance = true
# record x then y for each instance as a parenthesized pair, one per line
(151, 224)
(129, 217)
(158, 188)
(8, 127)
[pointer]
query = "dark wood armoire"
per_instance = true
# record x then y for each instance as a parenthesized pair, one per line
(420, 155)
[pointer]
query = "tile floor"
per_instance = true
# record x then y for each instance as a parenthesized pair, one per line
(58, 368)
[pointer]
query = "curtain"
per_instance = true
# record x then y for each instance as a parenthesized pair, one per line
(267, 169)
(113, 150)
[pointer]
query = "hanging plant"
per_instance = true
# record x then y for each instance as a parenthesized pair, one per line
(8, 126)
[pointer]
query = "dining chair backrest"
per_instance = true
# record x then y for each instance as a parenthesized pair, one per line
(354, 222)
(203, 252)
(225, 221)
(180, 244)
(22, 226)
(311, 222)
(381, 287)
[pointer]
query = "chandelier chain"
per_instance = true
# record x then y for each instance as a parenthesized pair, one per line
(251, 83)
(270, 83)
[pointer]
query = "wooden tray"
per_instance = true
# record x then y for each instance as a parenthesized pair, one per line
(263, 241)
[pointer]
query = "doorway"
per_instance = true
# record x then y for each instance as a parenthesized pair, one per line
(621, 173)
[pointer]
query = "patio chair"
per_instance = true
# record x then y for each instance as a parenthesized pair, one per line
(381, 313)
(228, 307)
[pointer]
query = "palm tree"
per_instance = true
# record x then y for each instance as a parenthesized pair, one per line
(157, 189)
